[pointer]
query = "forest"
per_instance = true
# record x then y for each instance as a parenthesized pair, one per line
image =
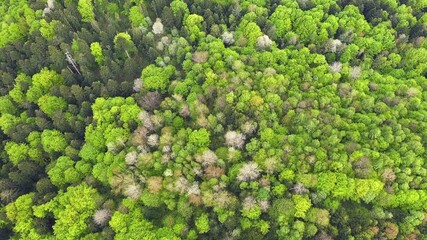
(213, 119)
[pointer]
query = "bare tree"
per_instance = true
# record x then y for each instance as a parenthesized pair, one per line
(132, 191)
(235, 139)
(249, 171)
(264, 42)
(228, 38)
(158, 26)
(102, 216)
(335, 67)
(150, 101)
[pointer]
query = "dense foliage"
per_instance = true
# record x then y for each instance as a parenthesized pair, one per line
(216, 119)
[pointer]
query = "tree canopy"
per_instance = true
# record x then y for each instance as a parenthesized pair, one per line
(216, 119)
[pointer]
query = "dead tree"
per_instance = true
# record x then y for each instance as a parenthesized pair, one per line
(73, 63)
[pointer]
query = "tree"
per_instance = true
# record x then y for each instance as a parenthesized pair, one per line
(20, 212)
(248, 172)
(158, 27)
(264, 42)
(179, 9)
(302, 204)
(123, 42)
(248, 31)
(41, 84)
(319, 216)
(17, 152)
(17, 93)
(414, 58)
(85, 8)
(157, 78)
(281, 19)
(96, 50)
(193, 24)
(228, 38)
(71, 209)
(136, 17)
(306, 27)
(249, 119)
(150, 101)
(202, 223)
(235, 139)
(102, 217)
(50, 104)
(8, 121)
(53, 141)
(199, 138)
(350, 19)
(48, 29)
(62, 172)
(131, 225)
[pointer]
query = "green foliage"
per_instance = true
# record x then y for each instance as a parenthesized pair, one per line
(53, 141)
(302, 204)
(7, 121)
(252, 213)
(157, 78)
(50, 104)
(96, 50)
(179, 7)
(213, 119)
(85, 8)
(193, 23)
(16, 152)
(281, 18)
(41, 83)
(71, 209)
(17, 93)
(122, 36)
(131, 225)
(123, 42)
(48, 29)
(199, 138)
(63, 172)
(248, 33)
(150, 199)
(20, 213)
(18, 20)
(136, 17)
(202, 223)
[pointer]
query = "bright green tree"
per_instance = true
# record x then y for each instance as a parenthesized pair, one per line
(50, 104)
(17, 152)
(157, 78)
(71, 210)
(302, 204)
(202, 223)
(85, 8)
(63, 172)
(42, 82)
(96, 50)
(136, 17)
(131, 225)
(20, 212)
(53, 141)
(193, 24)
(199, 138)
